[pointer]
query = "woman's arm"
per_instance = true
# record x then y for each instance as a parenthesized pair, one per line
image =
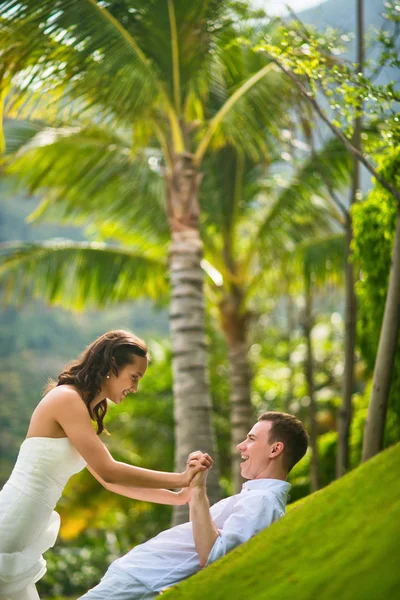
(159, 496)
(70, 412)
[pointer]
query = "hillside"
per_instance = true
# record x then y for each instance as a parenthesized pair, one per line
(341, 14)
(340, 543)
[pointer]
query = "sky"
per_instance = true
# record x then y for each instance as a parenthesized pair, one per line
(278, 6)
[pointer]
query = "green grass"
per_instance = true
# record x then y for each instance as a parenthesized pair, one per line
(342, 543)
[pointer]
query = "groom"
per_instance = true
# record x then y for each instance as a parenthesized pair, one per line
(273, 446)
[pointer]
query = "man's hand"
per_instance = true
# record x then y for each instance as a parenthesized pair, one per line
(199, 480)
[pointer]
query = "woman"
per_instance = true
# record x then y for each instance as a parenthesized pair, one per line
(60, 442)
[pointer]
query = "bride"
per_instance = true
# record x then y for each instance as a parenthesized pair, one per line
(60, 442)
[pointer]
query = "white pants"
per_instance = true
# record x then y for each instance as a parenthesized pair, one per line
(29, 593)
(118, 585)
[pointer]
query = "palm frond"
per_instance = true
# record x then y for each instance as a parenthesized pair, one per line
(122, 56)
(88, 173)
(18, 133)
(88, 50)
(79, 274)
(247, 98)
(320, 261)
(323, 260)
(302, 208)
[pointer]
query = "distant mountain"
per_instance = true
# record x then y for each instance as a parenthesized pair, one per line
(341, 14)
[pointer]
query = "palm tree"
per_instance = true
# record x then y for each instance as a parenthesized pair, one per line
(176, 76)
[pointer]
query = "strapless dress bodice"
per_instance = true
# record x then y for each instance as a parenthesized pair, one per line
(44, 466)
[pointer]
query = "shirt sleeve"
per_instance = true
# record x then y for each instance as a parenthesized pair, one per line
(252, 514)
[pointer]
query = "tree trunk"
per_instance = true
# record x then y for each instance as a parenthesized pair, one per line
(193, 409)
(309, 373)
(234, 324)
(388, 340)
(291, 327)
(346, 409)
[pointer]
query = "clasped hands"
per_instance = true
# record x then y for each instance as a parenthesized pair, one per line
(197, 467)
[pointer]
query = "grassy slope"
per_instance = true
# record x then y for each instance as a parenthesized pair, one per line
(340, 543)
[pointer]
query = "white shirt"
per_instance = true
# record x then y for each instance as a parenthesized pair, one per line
(171, 556)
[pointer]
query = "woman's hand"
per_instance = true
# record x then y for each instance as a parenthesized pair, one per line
(183, 496)
(197, 461)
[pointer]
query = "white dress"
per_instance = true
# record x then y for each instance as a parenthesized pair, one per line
(28, 523)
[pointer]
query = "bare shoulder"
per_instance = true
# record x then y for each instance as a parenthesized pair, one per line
(63, 400)
(64, 394)
(60, 403)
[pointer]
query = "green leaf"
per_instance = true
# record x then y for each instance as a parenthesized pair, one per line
(79, 274)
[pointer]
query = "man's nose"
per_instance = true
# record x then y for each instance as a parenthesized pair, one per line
(240, 446)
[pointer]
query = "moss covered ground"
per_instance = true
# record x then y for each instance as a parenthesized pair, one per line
(341, 543)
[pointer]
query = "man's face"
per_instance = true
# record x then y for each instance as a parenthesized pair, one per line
(255, 451)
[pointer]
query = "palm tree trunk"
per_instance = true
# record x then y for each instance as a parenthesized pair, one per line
(345, 412)
(309, 373)
(192, 409)
(388, 341)
(235, 325)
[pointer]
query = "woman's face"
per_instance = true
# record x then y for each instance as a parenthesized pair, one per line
(127, 380)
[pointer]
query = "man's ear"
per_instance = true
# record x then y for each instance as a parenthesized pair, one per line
(277, 449)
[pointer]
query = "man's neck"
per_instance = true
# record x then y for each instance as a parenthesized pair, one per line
(273, 472)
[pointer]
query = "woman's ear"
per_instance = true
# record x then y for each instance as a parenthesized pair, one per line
(114, 367)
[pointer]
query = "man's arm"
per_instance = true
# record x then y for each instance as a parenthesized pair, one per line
(251, 514)
(204, 531)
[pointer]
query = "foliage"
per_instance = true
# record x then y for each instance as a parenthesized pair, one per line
(327, 546)
(74, 569)
(163, 69)
(317, 63)
(278, 355)
(374, 223)
(252, 219)
(360, 408)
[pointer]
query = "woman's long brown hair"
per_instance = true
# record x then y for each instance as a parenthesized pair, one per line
(108, 353)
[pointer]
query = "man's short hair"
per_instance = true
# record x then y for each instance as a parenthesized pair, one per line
(289, 430)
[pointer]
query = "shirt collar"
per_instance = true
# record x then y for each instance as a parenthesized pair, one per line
(276, 485)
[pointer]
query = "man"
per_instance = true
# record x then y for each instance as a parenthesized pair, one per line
(272, 447)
